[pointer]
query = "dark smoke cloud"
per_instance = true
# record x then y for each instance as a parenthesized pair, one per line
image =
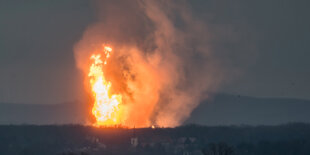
(166, 59)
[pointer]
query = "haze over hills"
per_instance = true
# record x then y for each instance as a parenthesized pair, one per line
(226, 109)
(222, 109)
(66, 113)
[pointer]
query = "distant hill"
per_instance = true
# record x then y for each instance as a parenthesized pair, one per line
(221, 109)
(66, 113)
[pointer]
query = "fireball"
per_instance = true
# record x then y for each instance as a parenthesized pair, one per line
(107, 108)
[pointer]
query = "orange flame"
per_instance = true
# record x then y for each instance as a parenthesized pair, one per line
(107, 107)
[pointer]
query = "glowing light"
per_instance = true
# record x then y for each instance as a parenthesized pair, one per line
(107, 107)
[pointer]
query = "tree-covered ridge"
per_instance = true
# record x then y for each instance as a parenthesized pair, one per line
(290, 139)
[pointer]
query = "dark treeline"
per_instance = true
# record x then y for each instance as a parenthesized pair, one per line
(289, 139)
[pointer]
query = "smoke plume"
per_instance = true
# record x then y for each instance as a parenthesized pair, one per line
(161, 63)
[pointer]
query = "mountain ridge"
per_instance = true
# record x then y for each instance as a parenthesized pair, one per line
(221, 109)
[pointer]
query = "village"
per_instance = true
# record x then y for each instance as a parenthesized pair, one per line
(141, 145)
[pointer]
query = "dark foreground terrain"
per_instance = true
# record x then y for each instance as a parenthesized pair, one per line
(289, 139)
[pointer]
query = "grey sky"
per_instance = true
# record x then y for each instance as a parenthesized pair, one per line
(37, 38)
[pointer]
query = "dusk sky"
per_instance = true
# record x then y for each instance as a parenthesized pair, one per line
(269, 40)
